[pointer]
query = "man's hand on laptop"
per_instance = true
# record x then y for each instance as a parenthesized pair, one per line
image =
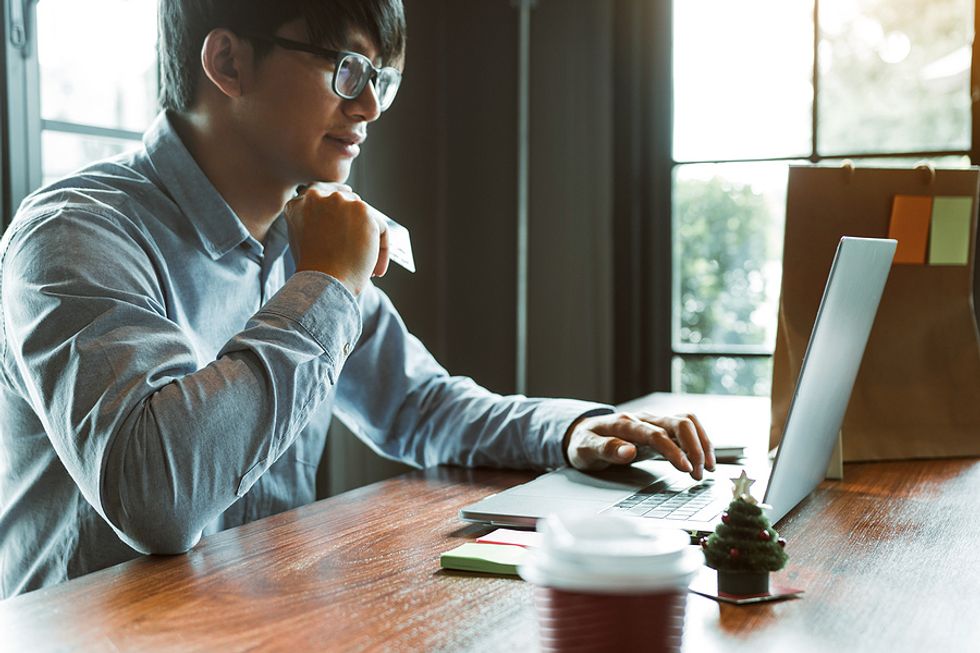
(593, 443)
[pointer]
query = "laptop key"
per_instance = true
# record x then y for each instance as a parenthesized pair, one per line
(620, 506)
(639, 510)
(677, 501)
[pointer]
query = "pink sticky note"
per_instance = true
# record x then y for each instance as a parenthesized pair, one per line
(527, 539)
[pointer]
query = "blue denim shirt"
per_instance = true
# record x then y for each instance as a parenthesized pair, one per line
(163, 375)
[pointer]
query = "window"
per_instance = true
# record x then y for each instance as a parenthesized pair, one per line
(761, 84)
(83, 86)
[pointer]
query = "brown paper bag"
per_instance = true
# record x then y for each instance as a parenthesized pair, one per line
(917, 394)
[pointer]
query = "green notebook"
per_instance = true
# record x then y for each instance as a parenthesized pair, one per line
(486, 558)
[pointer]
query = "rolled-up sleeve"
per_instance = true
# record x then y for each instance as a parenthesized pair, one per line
(159, 441)
(403, 404)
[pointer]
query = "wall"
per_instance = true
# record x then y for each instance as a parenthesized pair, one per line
(442, 162)
(570, 339)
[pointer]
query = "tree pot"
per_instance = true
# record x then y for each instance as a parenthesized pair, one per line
(743, 583)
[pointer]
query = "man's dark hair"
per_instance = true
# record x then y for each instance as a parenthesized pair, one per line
(183, 25)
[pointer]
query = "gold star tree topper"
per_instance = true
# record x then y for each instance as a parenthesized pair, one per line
(740, 490)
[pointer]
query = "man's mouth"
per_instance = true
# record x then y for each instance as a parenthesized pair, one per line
(348, 138)
(348, 143)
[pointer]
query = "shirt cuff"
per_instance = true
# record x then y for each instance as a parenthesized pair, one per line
(559, 414)
(325, 309)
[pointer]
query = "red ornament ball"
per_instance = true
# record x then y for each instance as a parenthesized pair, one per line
(734, 553)
(764, 535)
(782, 542)
(725, 518)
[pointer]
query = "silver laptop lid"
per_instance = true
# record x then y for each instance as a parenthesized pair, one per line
(830, 365)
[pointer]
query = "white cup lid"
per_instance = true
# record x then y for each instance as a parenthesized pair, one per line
(610, 553)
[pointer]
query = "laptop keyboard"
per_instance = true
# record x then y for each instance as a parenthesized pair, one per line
(677, 500)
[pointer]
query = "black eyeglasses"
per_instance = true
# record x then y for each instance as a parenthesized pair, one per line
(352, 71)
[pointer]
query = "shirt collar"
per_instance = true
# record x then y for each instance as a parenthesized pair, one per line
(215, 223)
(277, 240)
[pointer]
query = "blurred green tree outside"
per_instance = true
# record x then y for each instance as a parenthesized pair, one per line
(893, 78)
(726, 236)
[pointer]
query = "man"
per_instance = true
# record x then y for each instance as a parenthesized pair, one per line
(179, 324)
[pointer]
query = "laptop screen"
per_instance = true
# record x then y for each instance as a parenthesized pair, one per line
(830, 365)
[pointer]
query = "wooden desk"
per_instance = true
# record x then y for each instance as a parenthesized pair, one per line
(888, 558)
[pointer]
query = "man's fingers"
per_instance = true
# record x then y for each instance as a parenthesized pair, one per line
(382, 265)
(624, 426)
(687, 436)
(706, 446)
(664, 443)
(624, 437)
(679, 439)
(294, 202)
(633, 430)
(688, 433)
(598, 452)
(614, 450)
(321, 190)
(324, 189)
(328, 187)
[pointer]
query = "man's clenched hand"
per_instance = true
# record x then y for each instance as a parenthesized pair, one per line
(331, 230)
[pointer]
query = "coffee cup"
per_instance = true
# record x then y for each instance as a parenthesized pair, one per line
(610, 582)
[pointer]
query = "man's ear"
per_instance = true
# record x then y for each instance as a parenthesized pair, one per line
(227, 61)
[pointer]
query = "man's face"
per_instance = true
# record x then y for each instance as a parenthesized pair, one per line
(294, 121)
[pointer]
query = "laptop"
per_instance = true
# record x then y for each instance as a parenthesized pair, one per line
(654, 490)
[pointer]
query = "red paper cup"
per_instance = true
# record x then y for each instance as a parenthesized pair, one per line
(605, 583)
(574, 621)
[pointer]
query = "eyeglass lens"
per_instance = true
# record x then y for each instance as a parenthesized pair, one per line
(353, 75)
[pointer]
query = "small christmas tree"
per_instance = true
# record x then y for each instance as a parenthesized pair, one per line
(744, 547)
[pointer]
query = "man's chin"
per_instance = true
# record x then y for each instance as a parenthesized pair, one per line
(338, 175)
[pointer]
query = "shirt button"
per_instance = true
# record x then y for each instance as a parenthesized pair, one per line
(346, 348)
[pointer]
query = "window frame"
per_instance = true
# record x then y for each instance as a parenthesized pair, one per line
(21, 126)
(21, 122)
(643, 211)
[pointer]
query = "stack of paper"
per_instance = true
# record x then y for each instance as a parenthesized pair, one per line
(498, 552)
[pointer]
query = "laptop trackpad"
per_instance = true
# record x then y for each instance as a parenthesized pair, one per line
(609, 485)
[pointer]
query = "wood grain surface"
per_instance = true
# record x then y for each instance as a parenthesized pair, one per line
(887, 558)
